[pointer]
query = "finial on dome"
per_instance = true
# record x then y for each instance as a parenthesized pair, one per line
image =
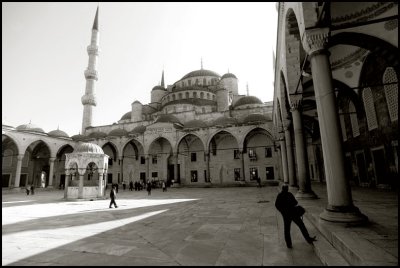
(162, 78)
(58, 127)
(247, 86)
(30, 121)
(201, 59)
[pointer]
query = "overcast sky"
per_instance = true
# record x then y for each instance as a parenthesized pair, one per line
(44, 54)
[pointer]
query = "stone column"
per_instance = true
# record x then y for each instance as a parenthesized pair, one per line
(176, 168)
(340, 206)
(100, 191)
(290, 159)
(51, 172)
(284, 160)
(148, 168)
(18, 170)
(121, 161)
(243, 171)
(208, 166)
(80, 190)
(67, 176)
(105, 182)
(305, 191)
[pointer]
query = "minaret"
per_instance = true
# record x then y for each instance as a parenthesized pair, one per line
(89, 99)
(162, 79)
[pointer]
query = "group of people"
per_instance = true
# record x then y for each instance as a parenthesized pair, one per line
(138, 186)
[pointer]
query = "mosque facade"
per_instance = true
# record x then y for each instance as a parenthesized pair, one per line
(199, 131)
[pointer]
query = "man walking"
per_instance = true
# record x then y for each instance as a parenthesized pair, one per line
(113, 196)
(285, 203)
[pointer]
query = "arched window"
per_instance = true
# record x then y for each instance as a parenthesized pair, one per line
(201, 95)
(342, 125)
(204, 81)
(7, 158)
(213, 97)
(190, 82)
(354, 120)
(391, 93)
(208, 95)
(197, 81)
(180, 96)
(187, 95)
(173, 97)
(369, 108)
(194, 94)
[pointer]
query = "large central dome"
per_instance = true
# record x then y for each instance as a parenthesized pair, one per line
(201, 72)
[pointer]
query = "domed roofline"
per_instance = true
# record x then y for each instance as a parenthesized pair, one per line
(90, 148)
(201, 72)
(228, 75)
(58, 134)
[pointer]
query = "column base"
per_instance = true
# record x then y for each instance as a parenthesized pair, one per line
(343, 214)
(306, 195)
(293, 188)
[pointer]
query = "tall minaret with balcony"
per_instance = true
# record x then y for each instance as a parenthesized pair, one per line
(89, 99)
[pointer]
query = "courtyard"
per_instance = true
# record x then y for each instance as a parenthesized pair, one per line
(183, 226)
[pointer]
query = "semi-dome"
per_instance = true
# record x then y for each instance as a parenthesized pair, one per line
(224, 121)
(97, 135)
(201, 72)
(228, 75)
(167, 118)
(118, 132)
(78, 137)
(195, 124)
(158, 88)
(30, 128)
(247, 100)
(90, 148)
(138, 130)
(255, 118)
(126, 116)
(58, 134)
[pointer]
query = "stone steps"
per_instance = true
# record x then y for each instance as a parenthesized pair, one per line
(341, 245)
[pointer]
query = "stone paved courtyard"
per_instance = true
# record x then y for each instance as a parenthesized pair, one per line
(183, 226)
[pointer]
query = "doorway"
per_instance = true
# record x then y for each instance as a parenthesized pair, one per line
(269, 173)
(379, 164)
(361, 168)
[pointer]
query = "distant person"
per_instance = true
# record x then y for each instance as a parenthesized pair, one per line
(148, 188)
(285, 203)
(32, 189)
(130, 186)
(164, 187)
(113, 196)
(124, 185)
(259, 182)
(27, 189)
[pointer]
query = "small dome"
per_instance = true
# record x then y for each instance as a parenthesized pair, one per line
(167, 118)
(97, 135)
(158, 88)
(228, 75)
(138, 130)
(58, 134)
(201, 72)
(126, 116)
(247, 100)
(119, 132)
(224, 121)
(136, 101)
(87, 147)
(255, 118)
(30, 128)
(78, 137)
(195, 124)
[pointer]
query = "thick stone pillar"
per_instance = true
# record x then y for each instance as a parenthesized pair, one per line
(284, 160)
(18, 170)
(66, 183)
(105, 182)
(51, 172)
(80, 190)
(305, 191)
(290, 158)
(340, 206)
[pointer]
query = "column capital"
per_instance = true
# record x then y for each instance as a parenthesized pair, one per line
(52, 159)
(20, 157)
(295, 104)
(315, 40)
